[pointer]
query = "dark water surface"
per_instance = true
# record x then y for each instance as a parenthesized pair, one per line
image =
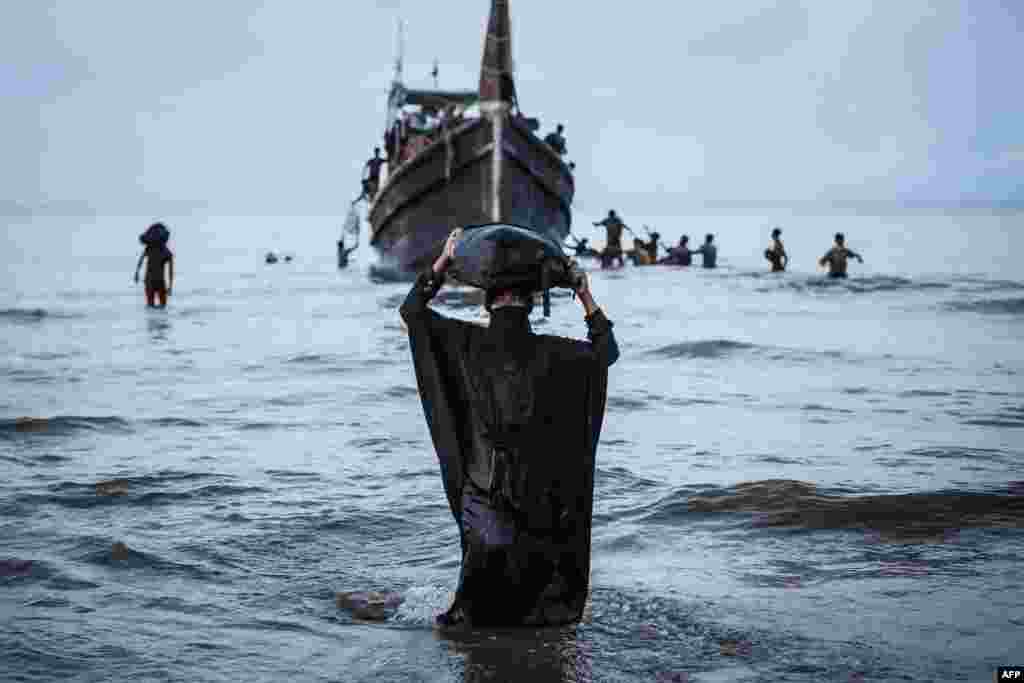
(798, 480)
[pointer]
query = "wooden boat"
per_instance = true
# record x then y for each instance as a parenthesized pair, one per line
(480, 161)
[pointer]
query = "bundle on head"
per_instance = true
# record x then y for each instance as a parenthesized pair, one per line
(500, 257)
(155, 234)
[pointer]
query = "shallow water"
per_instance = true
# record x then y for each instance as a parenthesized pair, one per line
(267, 449)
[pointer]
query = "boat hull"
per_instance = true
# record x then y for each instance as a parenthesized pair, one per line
(467, 180)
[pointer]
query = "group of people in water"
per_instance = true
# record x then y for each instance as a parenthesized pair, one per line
(646, 252)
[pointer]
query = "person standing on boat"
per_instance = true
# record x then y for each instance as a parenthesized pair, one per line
(709, 251)
(393, 140)
(158, 258)
(836, 257)
(776, 253)
(556, 140)
(614, 226)
(372, 175)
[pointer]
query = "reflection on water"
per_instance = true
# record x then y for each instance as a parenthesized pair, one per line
(158, 324)
(554, 655)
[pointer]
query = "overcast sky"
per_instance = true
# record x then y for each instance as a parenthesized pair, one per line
(249, 107)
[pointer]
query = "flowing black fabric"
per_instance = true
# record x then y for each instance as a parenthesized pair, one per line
(515, 420)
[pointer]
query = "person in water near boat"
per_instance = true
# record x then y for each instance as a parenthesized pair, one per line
(709, 251)
(639, 254)
(556, 140)
(581, 248)
(515, 418)
(343, 253)
(158, 258)
(776, 253)
(679, 255)
(836, 258)
(652, 247)
(613, 226)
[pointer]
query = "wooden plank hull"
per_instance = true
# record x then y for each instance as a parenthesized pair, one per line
(459, 181)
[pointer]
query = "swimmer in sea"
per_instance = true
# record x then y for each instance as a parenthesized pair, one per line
(836, 257)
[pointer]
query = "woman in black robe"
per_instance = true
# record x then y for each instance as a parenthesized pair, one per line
(515, 420)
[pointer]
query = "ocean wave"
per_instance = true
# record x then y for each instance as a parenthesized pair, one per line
(174, 422)
(1002, 421)
(711, 348)
(292, 474)
(51, 355)
(62, 425)
(314, 359)
(622, 480)
(1013, 306)
(29, 316)
(143, 491)
(625, 403)
(790, 503)
(977, 284)
(381, 444)
(856, 285)
(28, 376)
(925, 393)
(117, 555)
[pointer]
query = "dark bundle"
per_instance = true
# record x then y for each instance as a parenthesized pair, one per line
(500, 256)
(155, 235)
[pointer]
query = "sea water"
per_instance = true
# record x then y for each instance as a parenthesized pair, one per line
(267, 449)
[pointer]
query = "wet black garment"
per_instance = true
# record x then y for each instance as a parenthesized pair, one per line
(515, 420)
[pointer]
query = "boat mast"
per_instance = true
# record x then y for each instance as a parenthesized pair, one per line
(396, 81)
(399, 52)
(497, 90)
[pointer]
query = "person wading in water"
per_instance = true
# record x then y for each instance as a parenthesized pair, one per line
(614, 226)
(836, 258)
(776, 253)
(157, 256)
(515, 419)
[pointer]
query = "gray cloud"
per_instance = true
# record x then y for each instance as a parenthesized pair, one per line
(252, 107)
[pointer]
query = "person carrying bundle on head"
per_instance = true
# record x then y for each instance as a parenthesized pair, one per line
(515, 419)
(158, 258)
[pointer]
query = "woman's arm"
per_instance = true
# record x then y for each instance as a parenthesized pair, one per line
(599, 328)
(139, 264)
